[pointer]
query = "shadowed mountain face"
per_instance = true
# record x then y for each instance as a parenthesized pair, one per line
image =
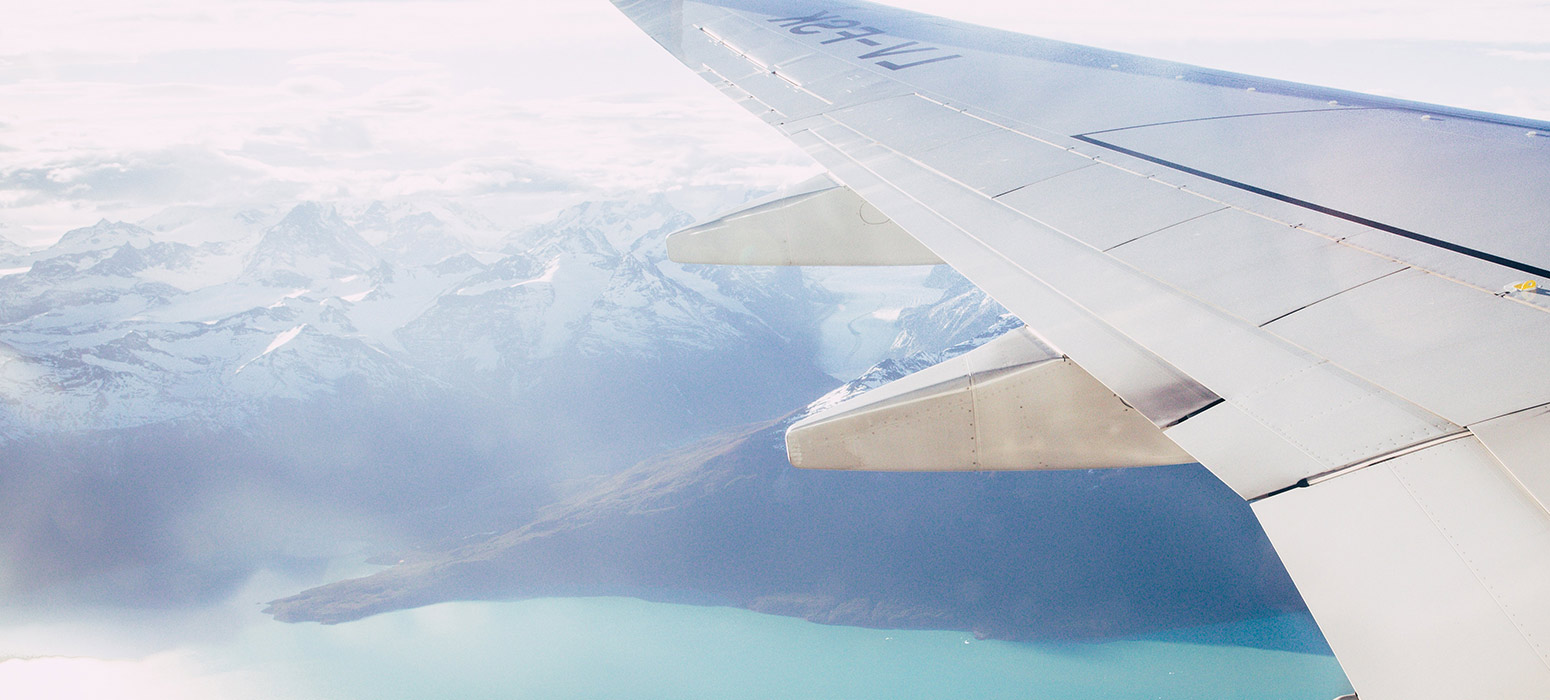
(1008, 555)
(1013, 555)
(184, 403)
(180, 514)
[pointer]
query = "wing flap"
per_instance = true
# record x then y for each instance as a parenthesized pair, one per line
(820, 222)
(1012, 404)
(1425, 572)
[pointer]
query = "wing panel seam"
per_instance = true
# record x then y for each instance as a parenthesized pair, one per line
(1218, 210)
(767, 69)
(1458, 550)
(1358, 285)
(1328, 211)
(1360, 465)
(1226, 116)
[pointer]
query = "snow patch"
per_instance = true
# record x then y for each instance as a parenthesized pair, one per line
(546, 277)
(292, 295)
(278, 342)
(8, 271)
(282, 339)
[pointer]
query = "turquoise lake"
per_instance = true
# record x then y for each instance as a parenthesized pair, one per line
(586, 648)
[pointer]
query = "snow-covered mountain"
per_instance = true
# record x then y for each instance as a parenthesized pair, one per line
(968, 306)
(203, 315)
(111, 327)
(12, 253)
(311, 243)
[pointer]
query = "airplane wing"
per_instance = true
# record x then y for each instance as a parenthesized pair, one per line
(1326, 298)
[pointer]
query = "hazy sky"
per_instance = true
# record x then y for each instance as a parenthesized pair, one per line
(115, 110)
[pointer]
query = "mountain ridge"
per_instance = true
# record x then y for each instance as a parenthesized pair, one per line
(213, 361)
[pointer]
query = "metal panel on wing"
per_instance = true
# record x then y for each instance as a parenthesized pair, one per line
(1105, 206)
(1073, 91)
(1521, 442)
(1425, 572)
(997, 161)
(1461, 352)
(911, 122)
(1257, 461)
(760, 47)
(1254, 268)
(1364, 163)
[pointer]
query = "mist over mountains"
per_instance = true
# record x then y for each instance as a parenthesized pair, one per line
(167, 391)
(551, 411)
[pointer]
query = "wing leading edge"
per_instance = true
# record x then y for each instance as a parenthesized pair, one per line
(1300, 287)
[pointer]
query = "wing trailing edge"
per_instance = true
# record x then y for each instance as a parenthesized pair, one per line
(1012, 404)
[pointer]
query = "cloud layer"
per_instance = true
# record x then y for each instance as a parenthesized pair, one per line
(107, 110)
(115, 112)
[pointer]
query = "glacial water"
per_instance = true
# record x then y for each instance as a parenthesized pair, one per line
(623, 648)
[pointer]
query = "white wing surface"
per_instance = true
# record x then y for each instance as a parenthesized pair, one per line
(1324, 297)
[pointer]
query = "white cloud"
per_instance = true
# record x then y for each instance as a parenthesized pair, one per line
(366, 98)
(1125, 21)
(289, 98)
(1524, 100)
(312, 85)
(156, 25)
(364, 60)
(1519, 55)
(166, 676)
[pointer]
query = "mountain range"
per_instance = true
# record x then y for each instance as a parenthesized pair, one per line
(551, 410)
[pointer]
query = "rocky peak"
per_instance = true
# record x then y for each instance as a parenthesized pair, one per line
(104, 235)
(9, 248)
(127, 260)
(635, 225)
(419, 234)
(311, 242)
